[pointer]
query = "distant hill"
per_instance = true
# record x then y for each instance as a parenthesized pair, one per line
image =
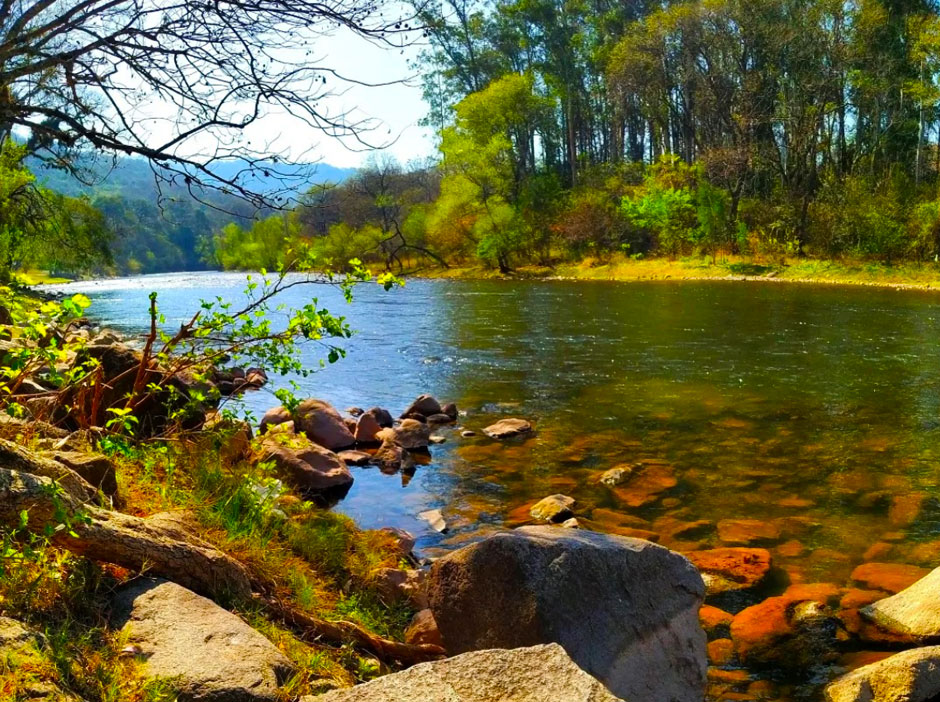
(175, 234)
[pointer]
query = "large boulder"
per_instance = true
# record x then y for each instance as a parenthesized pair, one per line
(424, 405)
(275, 417)
(306, 466)
(536, 674)
(323, 424)
(910, 676)
(209, 653)
(382, 416)
(913, 612)
(625, 610)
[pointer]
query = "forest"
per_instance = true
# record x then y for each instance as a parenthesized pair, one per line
(771, 128)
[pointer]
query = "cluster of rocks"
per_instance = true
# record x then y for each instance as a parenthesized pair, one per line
(313, 446)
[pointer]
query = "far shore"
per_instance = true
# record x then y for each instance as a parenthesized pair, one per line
(901, 276)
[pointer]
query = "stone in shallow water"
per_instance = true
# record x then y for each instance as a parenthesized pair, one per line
(616, 476)
(646, 488)
(850, 605)
(435, 519)
(910, 676)
(554, 508)
(913, 612)
(890, 577)
(533, 674)
(507, 428)
(747, 532)
(714, 619)
(732, 569)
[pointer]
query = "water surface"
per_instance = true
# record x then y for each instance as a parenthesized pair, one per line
(815, 409)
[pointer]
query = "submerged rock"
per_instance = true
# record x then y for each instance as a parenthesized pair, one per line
(910, 676)
(507, 428)
(913, 612)
(625, 610)
(616, 476)
(533, 674)
(554, 508)
(890, 577)
(747, 532)
(210, 653)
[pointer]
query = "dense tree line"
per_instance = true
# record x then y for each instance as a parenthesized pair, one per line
(581, 127)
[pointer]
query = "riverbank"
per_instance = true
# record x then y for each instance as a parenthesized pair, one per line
(920, 276)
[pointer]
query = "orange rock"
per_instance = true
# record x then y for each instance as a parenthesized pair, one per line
(674, 529)
(877, 551)
(905, 509)
(893, 536)
(728, 676)
(857, 659)
(856, 624)
(762, 688)
(727, 569)
(611, 517)
(795, 502)
(720, 651)
(791, 549)
(645, 488)
(747, 532)
(817, 592)
(711, 618)
(785, 632)
(927, 553)
(890, 577)
(423, 629)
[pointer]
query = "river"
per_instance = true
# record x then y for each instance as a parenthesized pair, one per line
(814, 409)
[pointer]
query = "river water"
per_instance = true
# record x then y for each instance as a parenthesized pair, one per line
(812, 409)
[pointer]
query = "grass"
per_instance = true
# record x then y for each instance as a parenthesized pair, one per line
(33, 276)
(623, 268)
(317, 560)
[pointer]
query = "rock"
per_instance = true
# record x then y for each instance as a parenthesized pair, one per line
(450, 409)
(255, 377)
(97, 469)
(15, 636)
(440, 419)
(909, 676)
(467, 433)
(647, 486)
(555, 508)
(423, 629)
(507, 428)
(713, 619)
(404, 541)
(323, 424)
(573, 524)
(850, 613)
(890, 577)
(747, 532)
(731, 569)
(435, 519)
(355, 458)
(273, 417)
(533, 674)
(351, 424)
(625, 610)
(367, 429)
(415, 416)
(616, 476)
(786, 632)
(308, 467)
(402, 585)
(355, 411)
(410, 434)
(210, 653)
(913, 612)
(720, 651)
(391, 458)
(382, 416)
(424, 405)
(436, 439)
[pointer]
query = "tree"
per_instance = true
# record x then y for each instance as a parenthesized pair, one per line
(163, 79)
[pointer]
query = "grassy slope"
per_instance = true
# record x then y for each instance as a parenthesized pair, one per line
(315, 559)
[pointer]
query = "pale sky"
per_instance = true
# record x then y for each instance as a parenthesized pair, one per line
(398, 106)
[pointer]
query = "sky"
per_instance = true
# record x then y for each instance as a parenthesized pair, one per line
(397, 107)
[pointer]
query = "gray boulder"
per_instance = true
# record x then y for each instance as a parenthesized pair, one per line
(914, 612)
(910, 676)
(536, 674)
(210, 653)
(625, 610)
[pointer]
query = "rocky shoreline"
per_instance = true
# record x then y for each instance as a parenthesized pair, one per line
(556, 611)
